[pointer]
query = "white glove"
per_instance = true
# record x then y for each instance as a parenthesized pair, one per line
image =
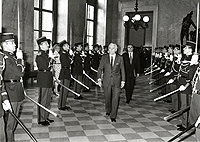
(122, 84)
(19, 54)
(194, 59)
(99, 83)
(170, 81)
(71, 52)
(197, 122)
(6, 105)
(163, 70)
(182, 88)
(51, 55)
(167, 74)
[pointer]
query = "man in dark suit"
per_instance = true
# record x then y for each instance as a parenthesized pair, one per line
(112, 67)
(132, 69)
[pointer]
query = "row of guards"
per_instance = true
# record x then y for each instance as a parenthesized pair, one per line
(176, 71)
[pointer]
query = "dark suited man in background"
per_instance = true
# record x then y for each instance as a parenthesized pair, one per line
(112, 67)
(132, 69)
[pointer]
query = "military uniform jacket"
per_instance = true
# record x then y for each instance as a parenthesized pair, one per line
(14, 70)
(77, 64)
(2, 88)
(45, 76)
(95, 60)
(87, 62)
(65, 72)
(186, 74)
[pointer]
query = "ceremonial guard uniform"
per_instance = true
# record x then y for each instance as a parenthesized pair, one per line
(13, 72)
(87, 66)
(3, 99)
(65, 74)
(44, 80)
(194, 112)
(95, 61)
(78, 69)
(185, 77)
(174, 75)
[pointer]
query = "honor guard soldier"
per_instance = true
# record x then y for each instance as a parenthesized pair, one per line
(95, 60)
(12, 74)
(44, 80)
(186, 74)
(87, 66)
(65, 74)
(173, 78)
(78, 68)
(4, 101)
(194, 112)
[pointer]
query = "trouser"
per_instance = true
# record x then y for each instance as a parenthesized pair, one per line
(45, 100)
(11, 123)
(2, 130)
(112, 97)
(129, 86)
(175, 101)
(77, 86)
(63, 93)
(185, 101)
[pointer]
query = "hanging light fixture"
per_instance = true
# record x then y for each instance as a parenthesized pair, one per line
(137, 20)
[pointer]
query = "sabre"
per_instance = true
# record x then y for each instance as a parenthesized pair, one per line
(94, 69)
(80, 82)
(66, 87)
(179, 134)
(197, 28)
(53, 113)
(152, 71)
(22, 125)
(90, 78)
(152, 90)
(166, 95)
(159, 78)
(148, 68)
(176, 114)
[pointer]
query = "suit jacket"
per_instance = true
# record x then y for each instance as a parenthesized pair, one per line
(111, 75)
(131, 69)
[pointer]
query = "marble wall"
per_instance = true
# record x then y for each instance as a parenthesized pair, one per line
(11, 24)
(169, 15)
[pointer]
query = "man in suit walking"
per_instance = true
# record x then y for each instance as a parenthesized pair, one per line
(132, 69)
(112, 67)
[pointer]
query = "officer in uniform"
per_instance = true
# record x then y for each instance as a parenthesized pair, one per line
(186, 74)
(87, 66)
(4, 102)
(12, 74)
(95, 60)
(65, 74)
(78, 68)
(44, 80)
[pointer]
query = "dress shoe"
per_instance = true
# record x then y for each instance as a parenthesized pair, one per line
(181, 128)
(107, 113)
(67, 107)
(44, 123)
(113, 120)
(127, 102)
(64, 108)
(49, 120)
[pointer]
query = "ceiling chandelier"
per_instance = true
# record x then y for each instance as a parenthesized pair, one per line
(137, 20)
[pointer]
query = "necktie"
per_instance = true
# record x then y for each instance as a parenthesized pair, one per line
(111, 61)
(131, 58)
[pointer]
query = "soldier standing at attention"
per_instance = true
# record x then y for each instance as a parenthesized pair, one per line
(65, 74)
(44, 80)
(12, 74)
(4, 102)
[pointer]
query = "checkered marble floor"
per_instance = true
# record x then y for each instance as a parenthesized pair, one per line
(140, 121)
